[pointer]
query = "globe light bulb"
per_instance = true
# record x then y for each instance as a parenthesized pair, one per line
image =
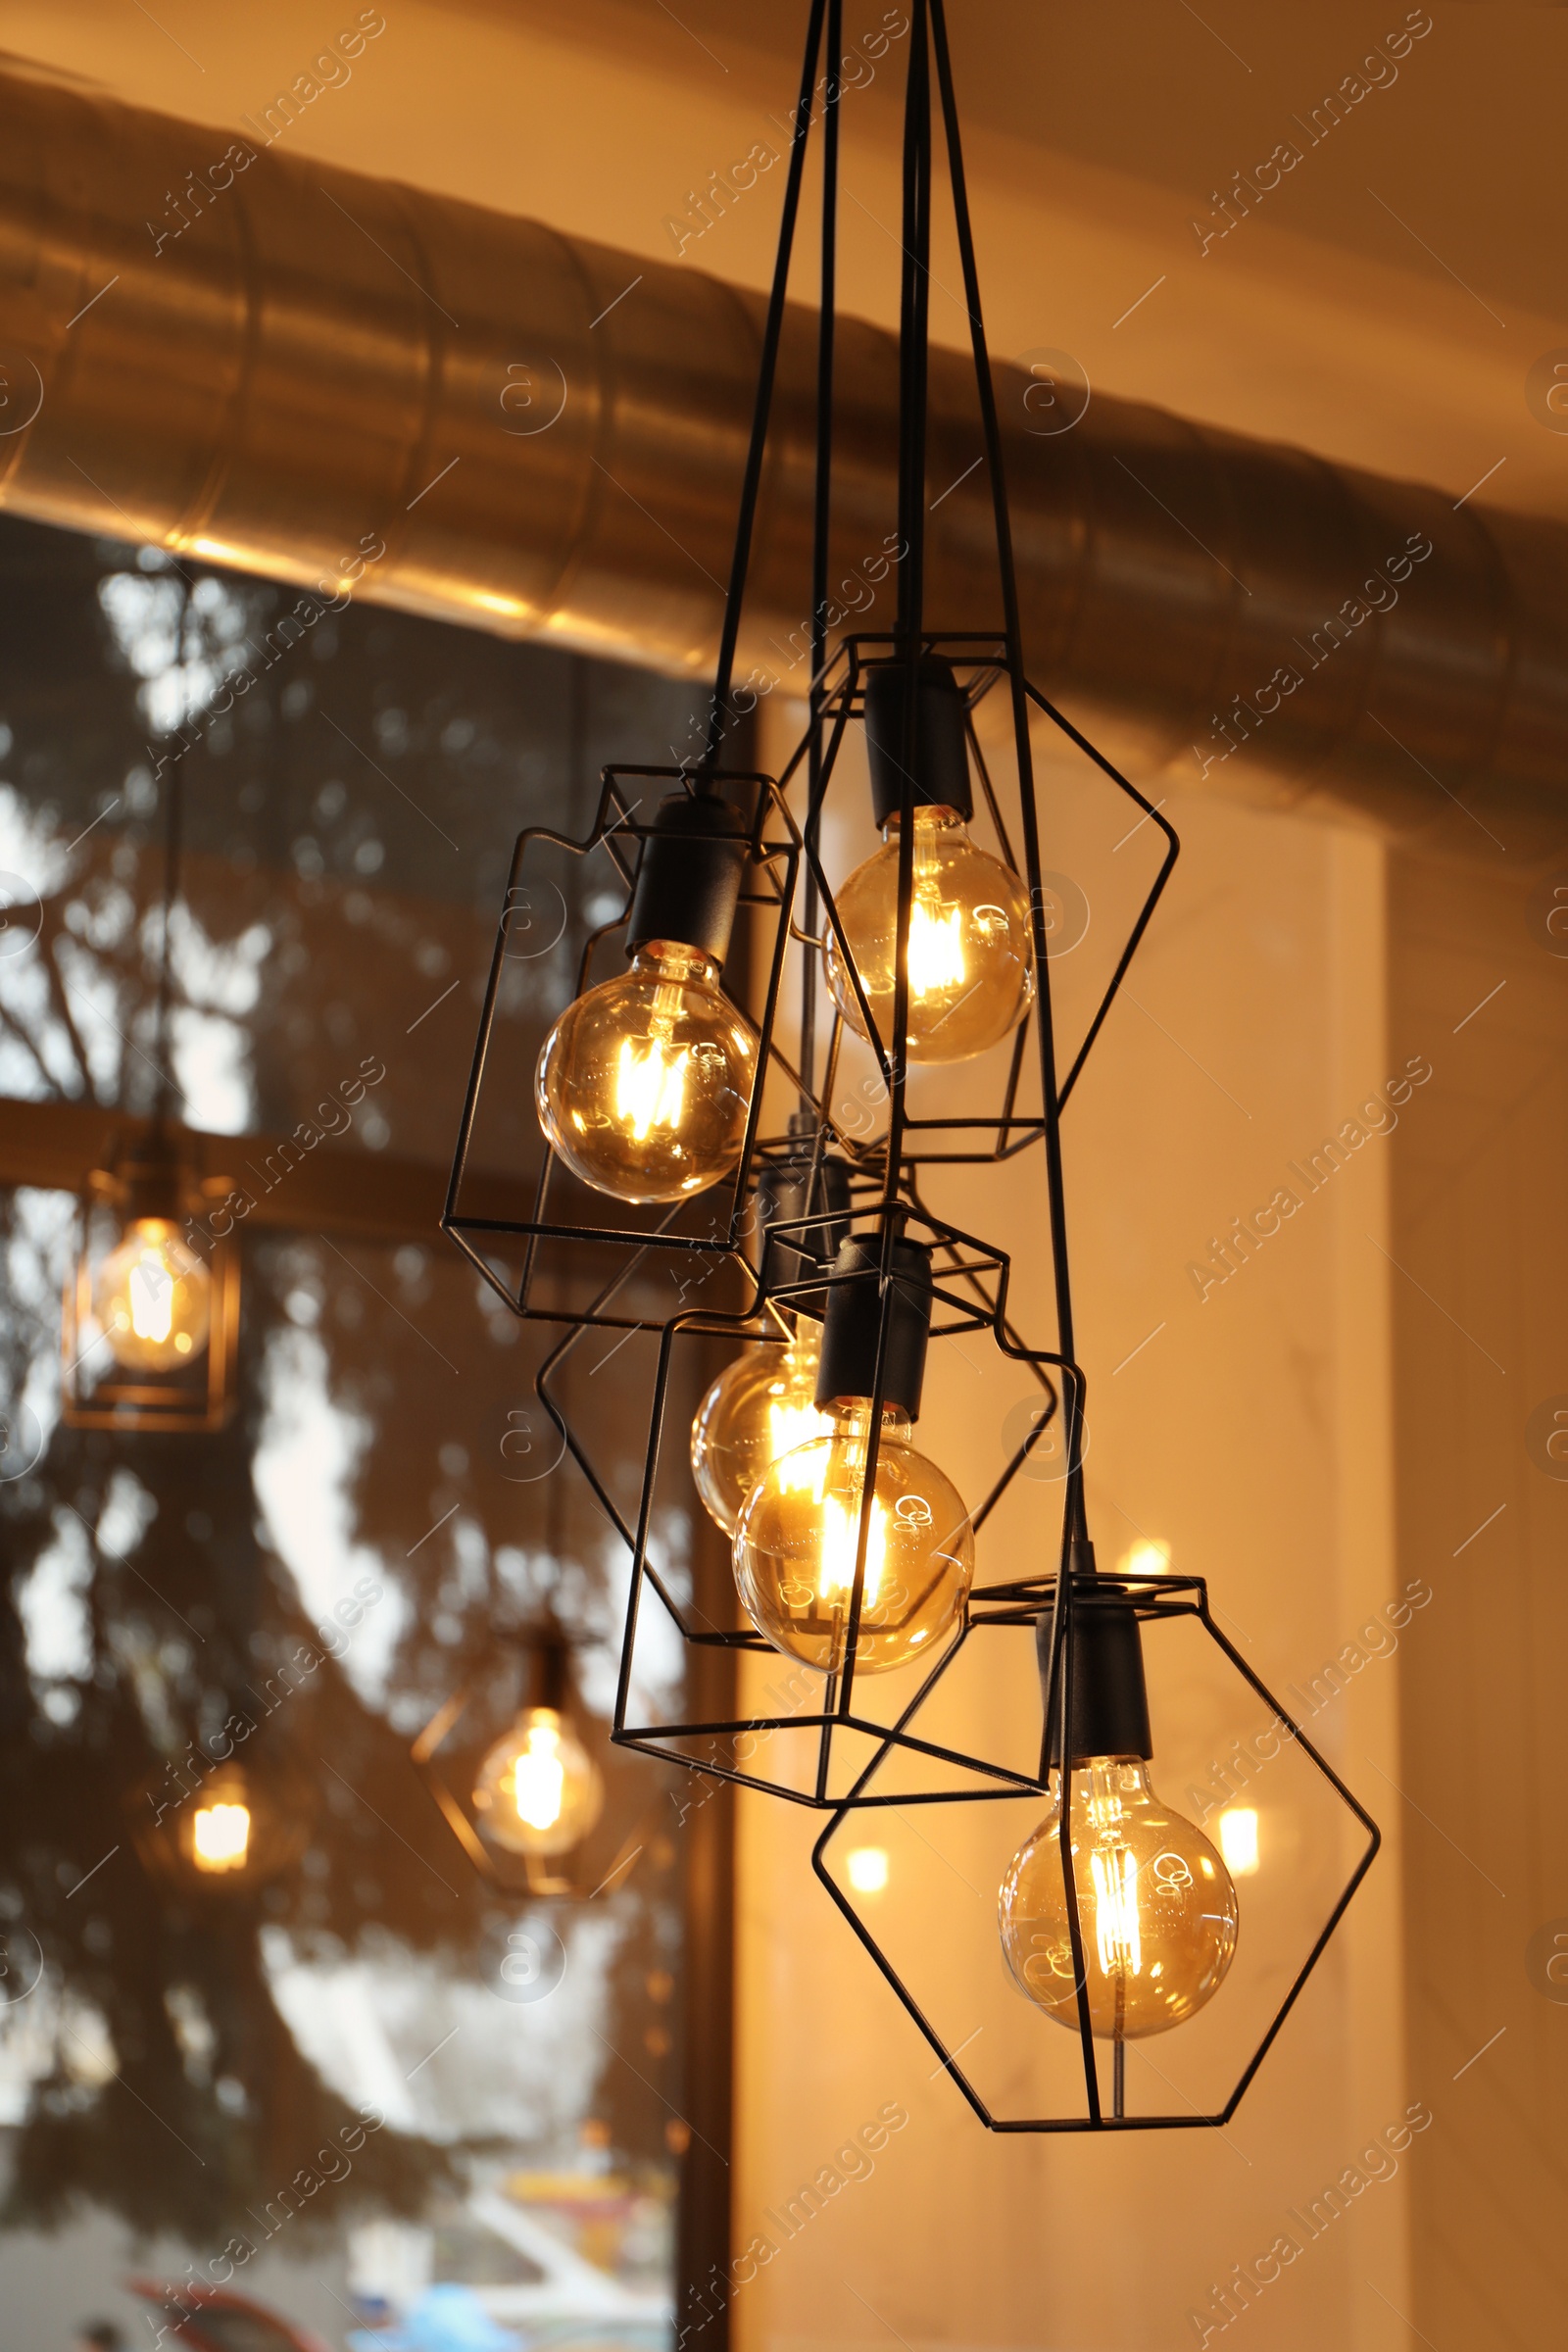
(1156, 1908)
(644, 1083)
(971, 966)
(539, 1792)
(761, 1407)
(153, 1297)
(220, 1838)
(796, 1543)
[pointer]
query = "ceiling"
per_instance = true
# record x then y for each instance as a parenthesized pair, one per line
(1384, 305)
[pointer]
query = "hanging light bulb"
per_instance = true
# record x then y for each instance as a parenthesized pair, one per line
(797, 1539)
(763, 1404)
(153, 1297)
(538, 1790)
(799, 1536)
(761, 1407)
(1157, 1907)
(644, 1085)
(970, 962)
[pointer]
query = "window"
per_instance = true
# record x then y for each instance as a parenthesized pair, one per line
(378, 2073)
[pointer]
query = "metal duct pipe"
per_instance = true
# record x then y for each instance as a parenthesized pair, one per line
(251, 357)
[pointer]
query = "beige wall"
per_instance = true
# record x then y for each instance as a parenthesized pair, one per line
(1479, 1345)
(1253, 1435)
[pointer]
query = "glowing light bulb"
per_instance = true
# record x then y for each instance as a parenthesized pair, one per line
(971, 967)
(220, 1838)
(153, 1297)
(796, 1543)
(761, 1407)
(866, 1869)
(644, 1083)
(539, 1792)
(1157, 1907)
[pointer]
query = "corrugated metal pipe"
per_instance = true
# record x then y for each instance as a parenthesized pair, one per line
(237, 352)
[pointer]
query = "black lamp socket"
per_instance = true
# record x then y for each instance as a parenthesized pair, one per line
(847, 1365)
(689, 881)
(785, 1193)
(1109, 1695)
(550, 1673)
(939, 763)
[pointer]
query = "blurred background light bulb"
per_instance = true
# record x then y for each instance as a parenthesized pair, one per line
(971, 967)
(796, 1543)
(1157, 1907)
(538, 1791)
(153, 1297)
(220, 1837)
(644, 1082)
(761, 1407)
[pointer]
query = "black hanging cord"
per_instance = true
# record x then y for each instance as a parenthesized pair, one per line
(1076, 1553)
(174, 847)
(719, 715)
(822, 527)
(914, 302)
(1013, 631)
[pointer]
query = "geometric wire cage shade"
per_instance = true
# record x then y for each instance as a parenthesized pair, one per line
(928, 1913)
(811, 1736)
(982, 663)
(562, 930)
(449, 1754)
(100, 1391)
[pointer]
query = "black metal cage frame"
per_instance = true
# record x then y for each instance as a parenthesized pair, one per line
(1153, 1599)
(771, 869)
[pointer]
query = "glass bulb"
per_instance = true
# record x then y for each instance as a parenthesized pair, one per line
(971, 969)
(796, 1543)
(644, 1083)
(153, 1296)
(1157, 1907)
(760, 1406)
(539, 1792)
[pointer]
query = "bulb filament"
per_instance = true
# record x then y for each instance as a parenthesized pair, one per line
(1114, 1869)
(151, 1292)
(651, 1082)
(936, 946)
(539, 1779)
(792, 1424)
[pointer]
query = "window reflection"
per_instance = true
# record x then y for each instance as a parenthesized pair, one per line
(360, 2077)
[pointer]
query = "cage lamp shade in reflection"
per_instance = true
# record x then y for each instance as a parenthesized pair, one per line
(644, 1085)
(970, 960)
(1158, 1910)
(798, 1544)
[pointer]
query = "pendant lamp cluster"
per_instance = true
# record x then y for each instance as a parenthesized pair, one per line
(687, 1137)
